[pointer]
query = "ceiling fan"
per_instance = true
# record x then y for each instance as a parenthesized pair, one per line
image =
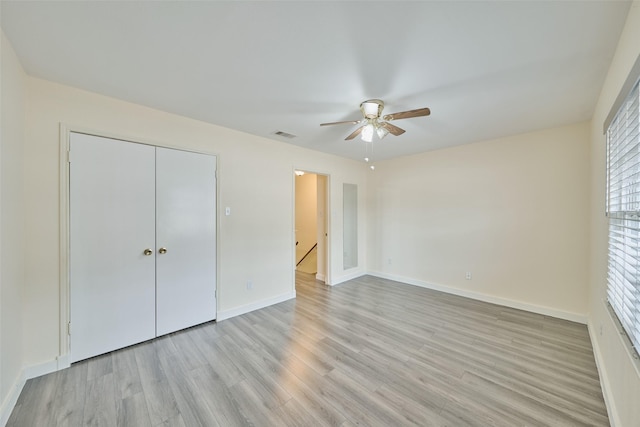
(373, 122)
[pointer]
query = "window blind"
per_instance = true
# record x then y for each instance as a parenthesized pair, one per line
(623, 210)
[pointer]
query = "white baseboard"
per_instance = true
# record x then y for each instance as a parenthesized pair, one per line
(27, 373)
(237, 311)
(604, 378)
(11, 399)
(347, 277)
(547, 311)
(40, 369)
(320, 277)
(64, 361)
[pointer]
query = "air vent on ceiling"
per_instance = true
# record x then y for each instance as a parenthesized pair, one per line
(284, 134)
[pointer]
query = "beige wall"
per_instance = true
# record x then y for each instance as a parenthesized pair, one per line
(620, 374)
(256, 241)
(306, 213)
(510, 211)
(13, 94)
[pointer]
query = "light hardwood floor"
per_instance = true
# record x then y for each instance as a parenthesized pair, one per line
(368, 352)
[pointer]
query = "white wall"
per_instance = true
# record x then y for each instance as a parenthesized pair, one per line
(256, 241)
(13, 94)
(620, 374)
(510, 211)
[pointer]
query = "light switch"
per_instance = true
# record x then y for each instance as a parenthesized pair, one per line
(227, 211)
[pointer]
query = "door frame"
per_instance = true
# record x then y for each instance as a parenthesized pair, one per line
(327, 219)
(65, 130)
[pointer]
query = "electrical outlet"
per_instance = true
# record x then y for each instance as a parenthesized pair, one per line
(389, 261)
(468, 275)
(249, 285)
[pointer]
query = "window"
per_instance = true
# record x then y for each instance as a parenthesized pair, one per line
(623, 210)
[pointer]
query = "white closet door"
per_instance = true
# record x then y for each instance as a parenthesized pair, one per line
(112, 222)
(186, 229)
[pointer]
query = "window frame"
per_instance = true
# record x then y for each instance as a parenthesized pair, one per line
(623, 218)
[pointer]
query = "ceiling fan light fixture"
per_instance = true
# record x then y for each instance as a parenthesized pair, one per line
(382, 131)
(367, 133)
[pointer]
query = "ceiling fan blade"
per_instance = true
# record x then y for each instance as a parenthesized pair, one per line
(394, 130)
(355, 133)
(408, 114)
(350, 122)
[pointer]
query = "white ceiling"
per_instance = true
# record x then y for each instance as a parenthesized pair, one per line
(486, 69)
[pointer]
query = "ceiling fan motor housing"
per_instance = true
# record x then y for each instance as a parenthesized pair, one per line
(372, 108)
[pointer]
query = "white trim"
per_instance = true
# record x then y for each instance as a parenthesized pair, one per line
(40, 369)
(546, 311)
(243, 309)
(320, 277)
(64, 361)
(63, 206)
(126, 138)
(347, 277)
(609, 401)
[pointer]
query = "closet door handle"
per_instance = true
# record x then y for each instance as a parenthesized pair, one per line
(162, 250)
(147, 252)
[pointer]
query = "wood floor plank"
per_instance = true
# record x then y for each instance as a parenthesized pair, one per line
(100, 401)
(42, 394)
(190, 401)
(161, 402)
(299, 383)
(218, 359)
(132, 411)
(253, 408)
(218, 398)
(99, 366)
(366, 352)
(126, 374)
(361, 406)
(416, 414)
(294, 414)
(175, 421)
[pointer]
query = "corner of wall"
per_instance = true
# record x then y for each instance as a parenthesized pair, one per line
(13, 83)
(11, 398)
(26, 374)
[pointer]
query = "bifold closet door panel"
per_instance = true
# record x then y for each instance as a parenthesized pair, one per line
(186, 239)
(112, 223)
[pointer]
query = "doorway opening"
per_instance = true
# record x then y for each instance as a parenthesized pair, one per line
(311, 227)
